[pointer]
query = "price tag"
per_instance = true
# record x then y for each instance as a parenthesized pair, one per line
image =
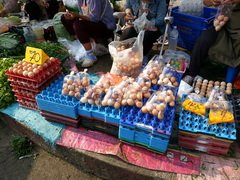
(35, 55)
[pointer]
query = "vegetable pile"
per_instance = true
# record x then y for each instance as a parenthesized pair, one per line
(6, 94)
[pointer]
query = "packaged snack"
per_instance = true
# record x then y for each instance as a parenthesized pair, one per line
(195, 103)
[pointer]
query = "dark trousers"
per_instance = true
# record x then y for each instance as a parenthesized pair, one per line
(33, 10)
(148, 40)
(84, 30)
(200, 51)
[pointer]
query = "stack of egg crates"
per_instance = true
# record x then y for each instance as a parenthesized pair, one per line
(196, 134)
(28, 80)
(147, 130)
(55, 106)
(95, 116)
(236, 107)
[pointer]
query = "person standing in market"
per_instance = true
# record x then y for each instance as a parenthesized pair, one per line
(36, 9)
(211, 42)
(156, 12)
(95, 20)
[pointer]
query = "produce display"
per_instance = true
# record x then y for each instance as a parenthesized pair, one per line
(6, 93)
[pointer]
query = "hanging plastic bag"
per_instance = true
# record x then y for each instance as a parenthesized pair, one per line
(127, 56)
(223, 15)
(142, 23)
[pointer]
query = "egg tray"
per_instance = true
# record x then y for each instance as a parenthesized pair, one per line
(17, 87)
(52, 100)
(136, 119)
(24, 93)
(20, 96)
(60, 119)
(18, 81)
(28, 104)
(39, 77)
(204, 143)
(189, 121)
(148, 140)
(236, 107)
(99, 125)
(106, 113)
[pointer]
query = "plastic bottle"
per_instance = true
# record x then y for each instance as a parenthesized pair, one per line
(28, 35)
(173, 38)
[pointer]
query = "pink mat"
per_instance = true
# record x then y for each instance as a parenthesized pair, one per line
(216, 167)
(171, 161)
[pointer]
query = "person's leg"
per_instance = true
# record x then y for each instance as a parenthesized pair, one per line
(85, 30)
(128, 33)
(33, 10)
(200, 51)
(149, 38)
(52, 9)
(68, 24)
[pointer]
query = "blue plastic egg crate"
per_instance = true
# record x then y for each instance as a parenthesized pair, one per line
(189, 121)
(52, 100)
(106, 113)
(146, 139)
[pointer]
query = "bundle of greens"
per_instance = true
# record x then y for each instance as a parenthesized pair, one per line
(6, 93)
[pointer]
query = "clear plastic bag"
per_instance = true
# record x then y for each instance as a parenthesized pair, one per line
(142, 23)
(195, 103)
(99, 49)
(157, 103)
(221, 110)
(71, 85)
(115, 94)
(168, 77)
(127, 56)
(152, 70)
(95, 93)
(223, 15)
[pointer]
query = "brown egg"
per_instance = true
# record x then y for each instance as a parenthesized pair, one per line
(124, 102)
(175, 84)
(173, 79)
(83, 100)
(104, 103)
(71, 93)
(69, 81)
(144, 109)
(172, 104)
(117, 105)
(130, 102)
(155, 112)
(139, 104)
(90, 101)
(77, 95)
(228, 92)
(229, 84)
(168, 99)
(165, 80)
(65, 91)
(160, 115)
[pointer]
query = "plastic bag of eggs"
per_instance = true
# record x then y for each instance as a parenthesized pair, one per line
(133, 96)
(129, 64)
(168, 77)
(94, 93)
(152, 70)
(217, 99)
(71, 85)
(145, 84)
(157, 103)
(113, 98)
(220, 21)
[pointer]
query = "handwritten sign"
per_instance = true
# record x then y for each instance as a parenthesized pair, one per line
(35, 55)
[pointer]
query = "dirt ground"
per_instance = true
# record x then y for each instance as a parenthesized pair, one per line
(42, 166)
